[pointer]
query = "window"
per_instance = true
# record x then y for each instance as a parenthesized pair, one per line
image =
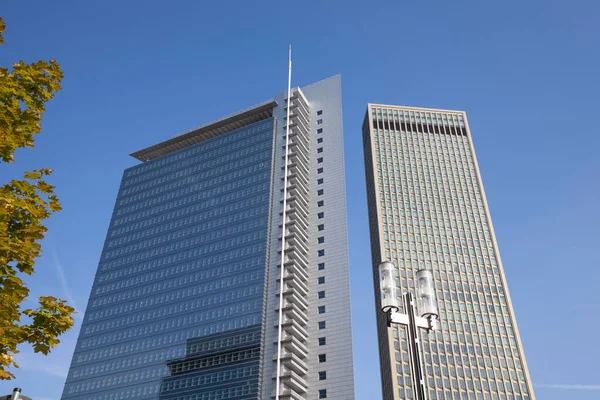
(319, 170)
(322, 375)
(322, 393)
(320, 130)
(322, 358)
(320, 181)
(322, 341)
(321, 266)
(321, 253)
(321, 280)
(320, 203)
(322, 325)
(320, 150)
(319, 160)
(320, 112)
(321, 227)
(321, 309)
(321, 215)
(322, 294)
(319, 121)
(321, 239)
(320, 192)
(320, 140)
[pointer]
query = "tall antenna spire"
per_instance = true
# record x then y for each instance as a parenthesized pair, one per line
(283, 241)
(290, 69)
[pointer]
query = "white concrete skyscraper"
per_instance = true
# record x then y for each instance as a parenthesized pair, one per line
(427, 210)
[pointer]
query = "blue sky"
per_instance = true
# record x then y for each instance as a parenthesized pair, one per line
(138, 72)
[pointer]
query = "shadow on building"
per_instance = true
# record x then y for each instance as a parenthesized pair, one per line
(219, 366)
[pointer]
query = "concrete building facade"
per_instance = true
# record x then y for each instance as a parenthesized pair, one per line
(427, 209)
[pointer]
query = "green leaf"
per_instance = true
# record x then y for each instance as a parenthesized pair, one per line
(24, 206)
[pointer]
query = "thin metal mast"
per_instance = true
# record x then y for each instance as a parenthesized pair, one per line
(283, 243)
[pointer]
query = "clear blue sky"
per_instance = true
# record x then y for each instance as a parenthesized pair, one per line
(526, 72)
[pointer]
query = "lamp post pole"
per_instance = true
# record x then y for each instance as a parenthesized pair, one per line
(16, 395)
(428, 318)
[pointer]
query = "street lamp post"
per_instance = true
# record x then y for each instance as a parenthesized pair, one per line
(16, 395)
(427, 319)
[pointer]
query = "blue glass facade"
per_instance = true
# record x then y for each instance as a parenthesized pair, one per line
(220, 366)
(184, 261)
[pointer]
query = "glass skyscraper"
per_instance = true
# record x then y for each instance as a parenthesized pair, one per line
(427, 209)
(224, 273)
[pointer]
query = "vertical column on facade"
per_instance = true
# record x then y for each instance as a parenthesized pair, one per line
(294, 350)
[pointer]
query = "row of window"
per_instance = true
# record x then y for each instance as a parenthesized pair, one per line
(82, 368)
(426, 258)
(250, 153)
(405, 115)
(221, 377)
(469, 385)
(388, 135)
(437, 165)
(425, 229)
(173, 253)
(392, 136)
(137, 292)
(215, 266)
(466, 238)
(449, 200)
(228, 341)
(188, 294)
(211, 361)
(449, 155)
(191, 185)
(441, 220)
(419, 148)
(155, 322)
(228, 237)
(427, 182)
(410, 235)
(197, 192)
(322, 393)
(446, 197)
(232, 210)
(430, 182)
(414, 170)
(429, 196)
(145, 344)
(446, 247)
(147, 374)
(455, 355)
(205, 268)
(218, 229)
(144, 390)
(226, 193)
(165, 164)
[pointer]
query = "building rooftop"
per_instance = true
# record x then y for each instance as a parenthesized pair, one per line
(215, 128)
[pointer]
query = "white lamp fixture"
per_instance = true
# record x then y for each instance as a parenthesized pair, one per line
(427, 317)
(426, 301)
(389, 291)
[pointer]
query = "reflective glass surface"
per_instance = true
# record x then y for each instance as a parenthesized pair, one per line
(184, 259)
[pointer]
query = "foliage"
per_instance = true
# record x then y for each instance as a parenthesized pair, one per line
(24, 205)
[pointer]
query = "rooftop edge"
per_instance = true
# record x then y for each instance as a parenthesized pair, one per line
(204, 132)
